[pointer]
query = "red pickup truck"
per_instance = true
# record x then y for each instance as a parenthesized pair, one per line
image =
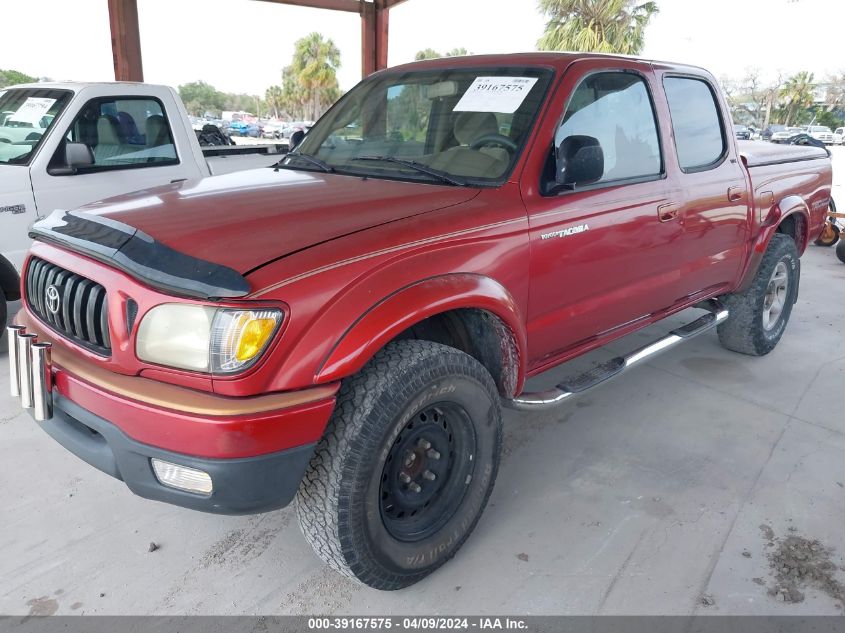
(343, 329)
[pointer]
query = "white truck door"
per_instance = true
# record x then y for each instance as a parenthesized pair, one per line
(27, 116)
(17, 212)
(137, 143)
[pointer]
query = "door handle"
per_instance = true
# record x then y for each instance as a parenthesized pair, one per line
(735, 193)
(667, 212)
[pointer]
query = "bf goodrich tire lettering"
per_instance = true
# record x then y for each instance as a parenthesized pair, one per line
(340, 501)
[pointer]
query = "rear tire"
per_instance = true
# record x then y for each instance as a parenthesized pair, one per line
(840, 251)
(758, 316)
(406, 465)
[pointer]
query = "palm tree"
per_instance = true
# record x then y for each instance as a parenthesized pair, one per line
(274, 98)
(315, 63)
(604, 26)
(797, 95)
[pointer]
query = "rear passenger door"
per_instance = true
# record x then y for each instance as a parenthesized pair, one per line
(714, 204)
(133, 148)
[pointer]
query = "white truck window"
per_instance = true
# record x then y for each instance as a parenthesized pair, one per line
(26, 114)
(124, 133)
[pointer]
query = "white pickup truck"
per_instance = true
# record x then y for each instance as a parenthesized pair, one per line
(63, 145)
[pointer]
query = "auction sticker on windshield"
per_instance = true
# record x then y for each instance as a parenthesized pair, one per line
(32, 110)
(495, 94)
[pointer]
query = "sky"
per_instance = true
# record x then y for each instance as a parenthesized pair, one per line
(242, 45)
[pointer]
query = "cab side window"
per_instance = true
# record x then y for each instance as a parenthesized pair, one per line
(124, 133)
(615, 110)
(699, 132)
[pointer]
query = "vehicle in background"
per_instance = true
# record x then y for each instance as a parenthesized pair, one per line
(272, 130)
(821, 133)
(238, 128)
(344, 329)
(742, 132)
(296, 126)
(767, 133)
(63, 145)
(785, 134)
(839, 136)
(212, 136)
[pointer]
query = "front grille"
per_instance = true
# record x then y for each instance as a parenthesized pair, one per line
(70, 304)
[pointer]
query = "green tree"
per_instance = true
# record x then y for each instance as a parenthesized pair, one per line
(12, 77)
(243, 102)
(315, 63)
(200, 97)
(826, 117)
(293, 96)
(274, 99)
(428, 53)
(796, 97)
(604, 26)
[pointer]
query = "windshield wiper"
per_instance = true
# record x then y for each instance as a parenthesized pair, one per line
(311, 159)
(420, 167)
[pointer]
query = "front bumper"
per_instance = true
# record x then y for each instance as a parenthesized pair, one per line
(255, 460)
(247, 485)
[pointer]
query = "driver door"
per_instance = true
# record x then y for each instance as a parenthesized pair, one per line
(604, 254)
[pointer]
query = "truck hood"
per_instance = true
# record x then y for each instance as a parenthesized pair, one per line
(246, 219)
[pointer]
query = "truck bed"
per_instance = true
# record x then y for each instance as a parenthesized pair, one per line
(758, 154)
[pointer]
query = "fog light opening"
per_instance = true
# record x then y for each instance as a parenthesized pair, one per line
(182, 477)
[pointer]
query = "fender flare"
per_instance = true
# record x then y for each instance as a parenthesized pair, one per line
(411, 304)
(770, 221)
(10, 280)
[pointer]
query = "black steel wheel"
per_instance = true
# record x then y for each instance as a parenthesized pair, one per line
(406, 465)
(422, 482)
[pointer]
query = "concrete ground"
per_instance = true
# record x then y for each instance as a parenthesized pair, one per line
(663, 492)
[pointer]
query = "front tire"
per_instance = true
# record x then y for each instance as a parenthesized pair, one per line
(758, 315)
(406, 465)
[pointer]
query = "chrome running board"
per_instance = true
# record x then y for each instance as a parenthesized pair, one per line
(581, 383)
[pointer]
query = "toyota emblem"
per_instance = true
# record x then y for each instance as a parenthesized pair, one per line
(53, 299)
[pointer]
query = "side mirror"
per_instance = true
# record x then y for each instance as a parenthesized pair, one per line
(579, 161)
(77, 155)
(296, 139)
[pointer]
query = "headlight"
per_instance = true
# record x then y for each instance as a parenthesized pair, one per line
(202, 338)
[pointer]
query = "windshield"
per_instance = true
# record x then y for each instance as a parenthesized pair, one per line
(461, 126)
(26, 114)
(819, 128)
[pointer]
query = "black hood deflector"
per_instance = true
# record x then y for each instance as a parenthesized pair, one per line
(139, 255)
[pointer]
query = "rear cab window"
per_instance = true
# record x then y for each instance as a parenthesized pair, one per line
(124, 133)
(699, 131)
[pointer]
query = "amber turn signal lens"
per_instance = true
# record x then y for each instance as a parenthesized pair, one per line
(254, 336)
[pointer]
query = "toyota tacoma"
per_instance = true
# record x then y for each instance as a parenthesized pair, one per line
(343, 329)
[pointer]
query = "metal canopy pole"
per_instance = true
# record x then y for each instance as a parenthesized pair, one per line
(374, 26)
(125, 40)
